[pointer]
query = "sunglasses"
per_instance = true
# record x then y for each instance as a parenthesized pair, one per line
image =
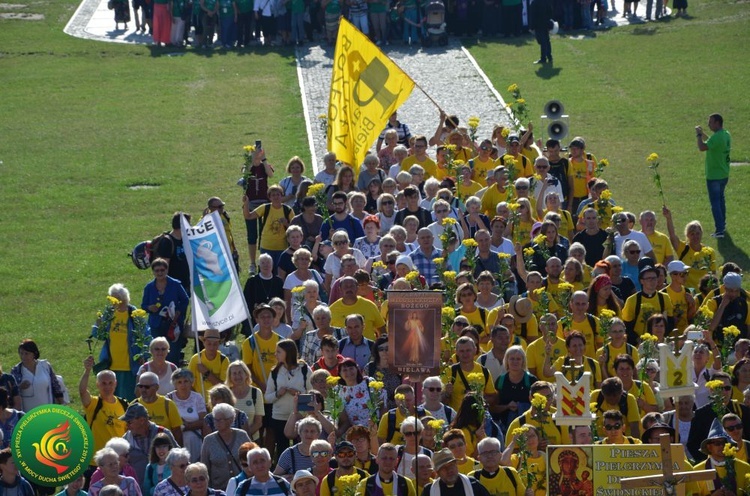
(732, 428)
(410, 433)
(319, 454)
(612, 427)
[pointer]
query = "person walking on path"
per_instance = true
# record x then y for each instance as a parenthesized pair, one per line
(718, 148)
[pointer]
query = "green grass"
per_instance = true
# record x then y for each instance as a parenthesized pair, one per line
(83, 120)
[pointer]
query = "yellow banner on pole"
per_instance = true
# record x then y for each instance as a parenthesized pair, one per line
(366, 88)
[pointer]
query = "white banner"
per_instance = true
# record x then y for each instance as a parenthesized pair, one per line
(217, 301)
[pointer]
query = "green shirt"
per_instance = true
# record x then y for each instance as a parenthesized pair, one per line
(297, 6)
(245, 6)
(377, 7)
(177, 6)
(226, 8)
(333, 7)
(717, 156)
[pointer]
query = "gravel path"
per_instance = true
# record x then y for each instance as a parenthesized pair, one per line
(448, 74)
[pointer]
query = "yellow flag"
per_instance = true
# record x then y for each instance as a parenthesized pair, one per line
(366, 88)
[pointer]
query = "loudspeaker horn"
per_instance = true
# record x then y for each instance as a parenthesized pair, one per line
(557, 130)
(554, 109)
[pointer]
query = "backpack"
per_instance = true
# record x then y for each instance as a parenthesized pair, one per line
(331, 479)
(622, 404)
(275, 374)
(266, 212)
(639, 298)
(147, 251)
(456, 371)
(100, 405)
(392, 422)
(508, 473)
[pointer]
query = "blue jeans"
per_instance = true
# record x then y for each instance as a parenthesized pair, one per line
(411, 31)
(586, 21)
(716, 189)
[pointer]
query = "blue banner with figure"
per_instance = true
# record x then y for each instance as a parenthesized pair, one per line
(217, 301)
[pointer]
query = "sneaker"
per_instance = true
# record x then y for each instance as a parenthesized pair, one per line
(252, 269)
(718, 234)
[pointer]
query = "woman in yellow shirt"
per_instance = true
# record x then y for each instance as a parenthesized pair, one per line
(536, 460)
(692, 252)
(522, 223)
(466, 298)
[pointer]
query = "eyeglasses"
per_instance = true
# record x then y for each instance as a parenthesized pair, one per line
(612, 427)
(319, 454)
(345, 454)
(434, 389)
(732, 428)
(410, 433)
(200, 478)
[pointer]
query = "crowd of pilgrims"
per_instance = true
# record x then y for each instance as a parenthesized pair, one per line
(541, 270)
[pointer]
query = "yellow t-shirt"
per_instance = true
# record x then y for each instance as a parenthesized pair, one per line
(611, 352)
(162, 412)
(429, 165)
(578, 170)
(661, 245)
(679, 307)
(649, 306)
(397, 438)
(364, 307)
(481, 169)
(522, 232)
(467, 190)
(535, 357)
(529, 331)
(584, 327)
(475, 319)
(459, 389)
(566, 222)
(469, 464)
(555, 434)
(107, 423)
(589, 365)
(491, 198)
(218, 366)
(498, 484)
(647, 395)
(697, 264)
(633, 414)
(338, 487)
(118, 342)
(261, 357)
(553, 307)
(273, 236)
(741, 470)
(524, 167)
(538, 466)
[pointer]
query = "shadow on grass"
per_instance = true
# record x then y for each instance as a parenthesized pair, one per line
(546, 71)
(731, 251)
(647, 30)
(170, 51)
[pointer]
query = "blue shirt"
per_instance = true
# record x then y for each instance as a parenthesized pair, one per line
(425, 264)
(350, 224)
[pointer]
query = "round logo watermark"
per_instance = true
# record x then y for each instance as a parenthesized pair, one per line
(52, 445)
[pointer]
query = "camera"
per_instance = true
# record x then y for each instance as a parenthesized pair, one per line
(305, 402)
(258, 145)
(695, 335)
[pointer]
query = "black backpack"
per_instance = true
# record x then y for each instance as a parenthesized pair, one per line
(508, 473)
(266, 212)
(392, 421)
(622, 403)
(100, 405)
(331, 479)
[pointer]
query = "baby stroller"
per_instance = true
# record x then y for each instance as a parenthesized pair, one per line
(434, 24)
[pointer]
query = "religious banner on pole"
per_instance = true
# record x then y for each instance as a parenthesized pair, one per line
(217, 301)
(414, 331)
(586, 470)
(366, 88)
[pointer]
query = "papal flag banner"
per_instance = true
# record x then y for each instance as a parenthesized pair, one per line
(217, 300)
(366, 88)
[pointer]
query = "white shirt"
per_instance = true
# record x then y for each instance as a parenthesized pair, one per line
(638, 236)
